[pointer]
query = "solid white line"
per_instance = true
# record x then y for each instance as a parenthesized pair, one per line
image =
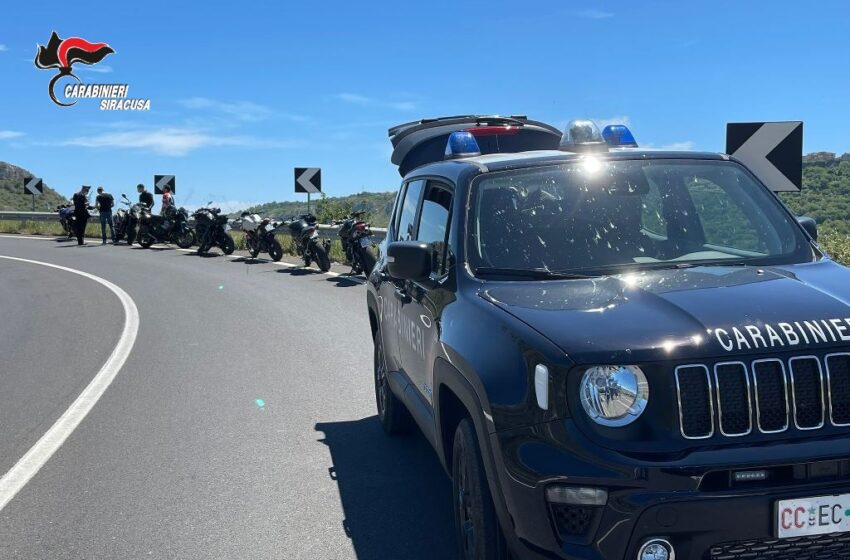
(39, 237)
(28, 465)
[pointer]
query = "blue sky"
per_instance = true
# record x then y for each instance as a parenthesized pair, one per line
(242, 92)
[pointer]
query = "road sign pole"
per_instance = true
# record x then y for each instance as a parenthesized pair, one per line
(308, 203)
(33, 203)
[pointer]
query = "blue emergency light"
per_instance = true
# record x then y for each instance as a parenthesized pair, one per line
(619, 135)
(462, 144)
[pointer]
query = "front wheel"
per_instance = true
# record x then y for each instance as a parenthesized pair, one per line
(185, 239)
(253, 247)
(275, 250)
(146, 240)
(131, 235)
(476, 525)
(227, 244)
(321, 256)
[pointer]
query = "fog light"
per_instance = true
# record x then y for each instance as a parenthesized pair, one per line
(577, 495)
(656, 549)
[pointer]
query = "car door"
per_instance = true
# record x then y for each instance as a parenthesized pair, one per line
(422, 303)
(401, 228)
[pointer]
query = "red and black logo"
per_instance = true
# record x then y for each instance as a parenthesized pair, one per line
(64, 53)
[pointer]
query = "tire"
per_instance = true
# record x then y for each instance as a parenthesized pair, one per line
(131, 235)
(253, 248)
(227, 244)
(394, 417)
(202, 249)
(476, 525)
(145, 240)
(321, 256)
(186, 239)
(368, 260)
(275, 250)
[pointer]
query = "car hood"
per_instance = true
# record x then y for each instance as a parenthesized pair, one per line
(686, 313)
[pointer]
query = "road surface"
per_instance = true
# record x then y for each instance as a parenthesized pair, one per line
(242, 424)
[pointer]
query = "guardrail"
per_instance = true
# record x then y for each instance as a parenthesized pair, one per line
(378, 233)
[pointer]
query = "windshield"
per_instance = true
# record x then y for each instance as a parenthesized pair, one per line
(596, 214)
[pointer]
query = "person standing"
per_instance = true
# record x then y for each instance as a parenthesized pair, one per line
(104, 203)
(145, 197)
(167, 200)
(81, 213)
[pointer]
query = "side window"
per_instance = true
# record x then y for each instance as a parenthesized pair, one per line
(393, 225)
(406, 219)
(434, 224)
(723, 216)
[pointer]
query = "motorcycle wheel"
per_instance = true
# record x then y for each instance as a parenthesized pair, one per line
(131, 235)
(253, 248)
(227, 244)
(368, 260)
(185, 239)
(145, 240)
(275, 250)
(322, 258)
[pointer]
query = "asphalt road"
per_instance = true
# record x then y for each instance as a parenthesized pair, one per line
(242, 424)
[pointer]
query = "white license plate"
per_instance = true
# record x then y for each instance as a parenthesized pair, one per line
(365, 241)
(813, 516)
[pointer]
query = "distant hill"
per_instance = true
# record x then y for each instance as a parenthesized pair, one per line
(377, 205)
(11, 185)
(826, 191)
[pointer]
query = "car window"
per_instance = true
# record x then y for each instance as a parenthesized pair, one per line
(434, 223)
(725, 222)
(652, 212)
(406, 222)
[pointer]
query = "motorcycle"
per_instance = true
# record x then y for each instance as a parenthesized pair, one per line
(172, 227)
(211, 229)
(305, 233)
(356, 238)
(260, 236)
(66, 218)
(124, 217)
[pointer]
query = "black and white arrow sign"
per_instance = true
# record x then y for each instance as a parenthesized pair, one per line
(773, 151)
(162, 181)
(33, 185)
(308, 180)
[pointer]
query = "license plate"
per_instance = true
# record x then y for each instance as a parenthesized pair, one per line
(813, 516)
(365, 241)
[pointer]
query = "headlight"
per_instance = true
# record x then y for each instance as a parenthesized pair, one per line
(614, 395)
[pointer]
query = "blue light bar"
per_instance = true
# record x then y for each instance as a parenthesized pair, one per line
(619, 135)
(462, 144)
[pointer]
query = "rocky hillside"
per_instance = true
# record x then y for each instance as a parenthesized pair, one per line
(11, 191)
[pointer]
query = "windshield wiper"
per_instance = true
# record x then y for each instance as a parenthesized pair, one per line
(535, 273)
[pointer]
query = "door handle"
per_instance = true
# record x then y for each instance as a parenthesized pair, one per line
(401, 295)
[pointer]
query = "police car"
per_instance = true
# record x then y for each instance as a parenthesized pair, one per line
(616, 353)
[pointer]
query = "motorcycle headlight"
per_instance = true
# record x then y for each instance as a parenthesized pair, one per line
(614, 395)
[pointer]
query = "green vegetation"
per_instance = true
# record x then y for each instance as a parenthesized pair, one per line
(378, 207)
(12, 197)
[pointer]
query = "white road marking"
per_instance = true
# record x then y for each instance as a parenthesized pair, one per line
(32, 461)
(39, 237)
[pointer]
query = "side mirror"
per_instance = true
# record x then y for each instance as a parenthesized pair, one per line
(409, 260)
(810, 225)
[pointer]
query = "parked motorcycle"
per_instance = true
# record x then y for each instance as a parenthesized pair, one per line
(305, 233)
(211, 230)
(66, 218)
(260, 236)
(356, 237)
(122, 219)
(172, 227)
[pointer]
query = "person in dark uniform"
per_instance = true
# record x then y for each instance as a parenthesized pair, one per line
(81, 213)
(145, 197)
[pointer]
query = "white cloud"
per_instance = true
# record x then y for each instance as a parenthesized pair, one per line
(9, 134)
(3, 48)
(592, 13)
(172, 141)
(246, 111)
(363, 101)
(98, 68)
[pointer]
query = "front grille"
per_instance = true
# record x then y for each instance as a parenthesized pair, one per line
(820, 547)
(768, 395)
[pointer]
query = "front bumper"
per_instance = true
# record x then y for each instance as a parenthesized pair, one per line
(680, 502)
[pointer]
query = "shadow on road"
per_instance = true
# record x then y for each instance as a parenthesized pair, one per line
(301, 271)
(346, 281)
(395, 495)
(251, 261)
(203, 255)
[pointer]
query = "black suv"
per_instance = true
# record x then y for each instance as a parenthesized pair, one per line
(616, 353)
